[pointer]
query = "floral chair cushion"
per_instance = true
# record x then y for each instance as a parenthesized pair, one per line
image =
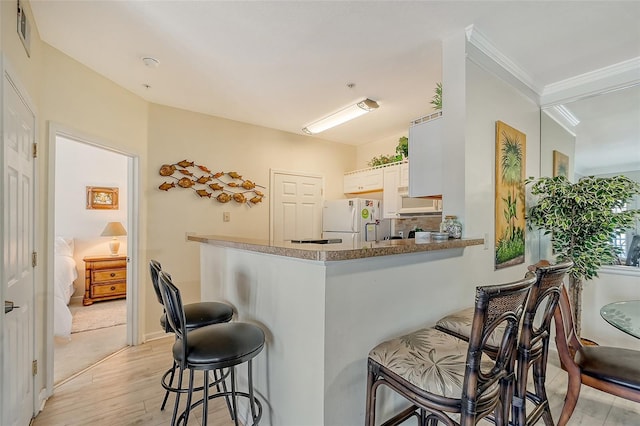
(429, 359)
(459, 323)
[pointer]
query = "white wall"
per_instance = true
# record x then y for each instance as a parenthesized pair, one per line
(489, 99)
(79, 165)
(555, 137)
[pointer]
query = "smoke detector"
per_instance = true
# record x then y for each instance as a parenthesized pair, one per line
(150, 62)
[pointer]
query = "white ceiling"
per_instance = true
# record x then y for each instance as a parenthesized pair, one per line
(284, 64)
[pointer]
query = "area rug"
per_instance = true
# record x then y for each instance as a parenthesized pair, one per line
(99, 315)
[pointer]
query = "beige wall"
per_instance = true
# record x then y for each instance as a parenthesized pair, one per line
(221, 145)
(68, 94)
(71, 95)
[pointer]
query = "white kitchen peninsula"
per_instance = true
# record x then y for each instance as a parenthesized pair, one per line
(323, 307)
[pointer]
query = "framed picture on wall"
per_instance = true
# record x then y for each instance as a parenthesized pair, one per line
(102, 198)
(511, 148)
(560, 164)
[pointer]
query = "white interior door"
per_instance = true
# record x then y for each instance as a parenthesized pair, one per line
(17, 273)
(296, 206)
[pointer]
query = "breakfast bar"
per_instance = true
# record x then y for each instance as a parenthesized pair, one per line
(323, 307)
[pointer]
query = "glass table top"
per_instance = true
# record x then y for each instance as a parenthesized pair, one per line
(624, 316)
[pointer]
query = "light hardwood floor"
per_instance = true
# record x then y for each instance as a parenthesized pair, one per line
(125, 390)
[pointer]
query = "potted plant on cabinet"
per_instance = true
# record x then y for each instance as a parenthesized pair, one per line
(583, 218)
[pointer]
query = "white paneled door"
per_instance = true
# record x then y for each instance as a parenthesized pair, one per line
(17, 273)
(297, 206)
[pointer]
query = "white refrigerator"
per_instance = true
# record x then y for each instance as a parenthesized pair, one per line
(354, 220)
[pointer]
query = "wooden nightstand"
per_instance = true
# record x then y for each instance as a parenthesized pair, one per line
(105, 278)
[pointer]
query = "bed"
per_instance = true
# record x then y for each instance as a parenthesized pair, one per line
(65, 274)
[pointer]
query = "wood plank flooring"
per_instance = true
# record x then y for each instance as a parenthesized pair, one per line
(125, 390)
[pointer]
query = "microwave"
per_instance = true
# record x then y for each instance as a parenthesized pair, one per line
(416, 206)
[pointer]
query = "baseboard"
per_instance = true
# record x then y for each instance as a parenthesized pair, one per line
(155, 336)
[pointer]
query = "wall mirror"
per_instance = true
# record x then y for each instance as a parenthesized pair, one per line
(595, 135)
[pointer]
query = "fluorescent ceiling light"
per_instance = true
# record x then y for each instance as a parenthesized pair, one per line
(342, 116)
(567, 115)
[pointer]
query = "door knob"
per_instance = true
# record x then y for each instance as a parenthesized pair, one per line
(9, 306)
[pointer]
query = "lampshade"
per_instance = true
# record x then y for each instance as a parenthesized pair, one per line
(342, 116)
(114, 229)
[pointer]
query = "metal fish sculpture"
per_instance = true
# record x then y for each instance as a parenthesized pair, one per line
(185, 183)
(247, 184)
(167, 169)
(202, 186)
(224, 197)
(167, 186)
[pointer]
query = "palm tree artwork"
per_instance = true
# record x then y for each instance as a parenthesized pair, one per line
(510, 196)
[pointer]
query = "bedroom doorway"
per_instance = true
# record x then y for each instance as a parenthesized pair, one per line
(91, 286)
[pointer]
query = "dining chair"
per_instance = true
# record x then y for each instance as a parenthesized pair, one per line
(444, 377)
(533, 340)
(609, 369)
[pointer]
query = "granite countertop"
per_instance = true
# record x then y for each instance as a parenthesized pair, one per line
(334, 252)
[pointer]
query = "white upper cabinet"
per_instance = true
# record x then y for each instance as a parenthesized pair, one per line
(363, 181)
(404, 174)
(390, 193)
(425, 154)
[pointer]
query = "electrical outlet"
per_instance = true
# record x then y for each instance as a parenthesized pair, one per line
(226, 216)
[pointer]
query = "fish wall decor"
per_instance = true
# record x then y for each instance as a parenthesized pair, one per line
(222, 186)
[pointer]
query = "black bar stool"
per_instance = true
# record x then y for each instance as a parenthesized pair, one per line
(197, 315)
(210, 349)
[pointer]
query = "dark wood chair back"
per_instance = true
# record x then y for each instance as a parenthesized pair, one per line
(610, 369)
(496, 306)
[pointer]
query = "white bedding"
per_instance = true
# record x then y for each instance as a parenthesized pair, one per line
(64, 275)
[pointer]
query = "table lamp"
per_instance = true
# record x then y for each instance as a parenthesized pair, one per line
(114, 229)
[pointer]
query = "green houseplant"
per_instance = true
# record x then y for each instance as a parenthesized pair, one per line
(583, 218)
(436, 101)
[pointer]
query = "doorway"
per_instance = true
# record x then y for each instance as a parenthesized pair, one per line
(97, 301)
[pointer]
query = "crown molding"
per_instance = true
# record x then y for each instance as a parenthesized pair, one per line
(484, 53)
(613, 77)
